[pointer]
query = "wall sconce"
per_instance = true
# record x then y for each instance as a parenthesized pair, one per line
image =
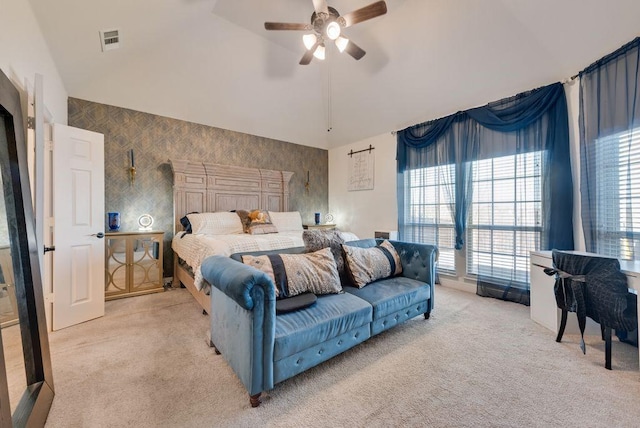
(132, 169)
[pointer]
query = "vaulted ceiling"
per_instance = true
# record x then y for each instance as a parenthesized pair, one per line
(212, 62)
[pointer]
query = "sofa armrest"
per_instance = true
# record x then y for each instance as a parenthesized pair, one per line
(418, 260)
(237, 280)
(243, 319)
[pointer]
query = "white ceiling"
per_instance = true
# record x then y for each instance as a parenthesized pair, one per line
(212, 62)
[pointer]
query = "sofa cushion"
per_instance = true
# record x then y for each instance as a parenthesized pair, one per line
(294, 274)
(366, 265)
(331, 316)
(392, 294)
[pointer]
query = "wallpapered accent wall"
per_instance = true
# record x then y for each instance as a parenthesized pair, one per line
(156, 139)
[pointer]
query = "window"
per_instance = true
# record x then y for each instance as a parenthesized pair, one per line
(504, 224)
(428, 216)
(618, 195)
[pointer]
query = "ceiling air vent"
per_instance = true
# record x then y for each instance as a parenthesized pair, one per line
(109, 39)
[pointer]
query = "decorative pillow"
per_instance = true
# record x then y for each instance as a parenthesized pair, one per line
(184, 221)
(289, 221)
(295, 274)
(366, 265)
(218, 223)
(294, 303)
(256, 222)
(317, 239)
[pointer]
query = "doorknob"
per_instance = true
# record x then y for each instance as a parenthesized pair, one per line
(98, 235)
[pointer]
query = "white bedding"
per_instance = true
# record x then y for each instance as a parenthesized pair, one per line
(194, 248)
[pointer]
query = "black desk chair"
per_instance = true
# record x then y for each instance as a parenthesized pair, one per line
(593, 287)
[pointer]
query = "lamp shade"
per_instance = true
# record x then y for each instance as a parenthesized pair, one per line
(309, 40)
(319, 53)
(341, 43)
(333, 30)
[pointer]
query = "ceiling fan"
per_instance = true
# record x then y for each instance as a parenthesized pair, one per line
(327, 24)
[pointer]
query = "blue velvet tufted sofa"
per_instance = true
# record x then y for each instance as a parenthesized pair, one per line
(265, 348)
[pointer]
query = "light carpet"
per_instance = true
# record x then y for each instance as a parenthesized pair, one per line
(477, 362)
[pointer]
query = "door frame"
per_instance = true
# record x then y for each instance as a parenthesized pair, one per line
(33, 407)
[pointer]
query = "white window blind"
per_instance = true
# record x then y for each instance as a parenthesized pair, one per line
(504, 225)
(618, 195)
(427, 212)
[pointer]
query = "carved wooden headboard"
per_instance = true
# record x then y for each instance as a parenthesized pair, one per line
(207, 187)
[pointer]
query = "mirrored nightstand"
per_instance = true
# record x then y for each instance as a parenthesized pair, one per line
(133, 263)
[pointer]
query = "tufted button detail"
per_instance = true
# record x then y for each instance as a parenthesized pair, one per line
(356, 335)
(396, 317)
(298, 362)
(340, 342)
(320, 352)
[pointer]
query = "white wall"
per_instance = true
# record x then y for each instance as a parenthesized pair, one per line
(24, 52)
(366, 211)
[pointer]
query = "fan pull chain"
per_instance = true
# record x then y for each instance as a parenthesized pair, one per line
(329, 100)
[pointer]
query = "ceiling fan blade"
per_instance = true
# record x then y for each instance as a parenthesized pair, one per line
(320, 6)
(287, 26)
(307, 57)
(354, 50)
(374, 9)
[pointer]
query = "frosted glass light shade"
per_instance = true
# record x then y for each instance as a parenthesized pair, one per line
(333, 30)
(341, 43)
(309, 40)
(319, 53)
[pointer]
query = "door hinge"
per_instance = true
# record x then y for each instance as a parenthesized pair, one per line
(31, 122)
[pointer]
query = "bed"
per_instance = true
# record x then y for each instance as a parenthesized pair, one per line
(215, 191)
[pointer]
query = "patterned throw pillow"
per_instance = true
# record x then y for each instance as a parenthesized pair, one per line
(315, 240)
(256, 222)
(365, 265)
(294, 274)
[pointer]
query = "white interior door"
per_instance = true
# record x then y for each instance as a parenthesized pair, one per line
(78, 187)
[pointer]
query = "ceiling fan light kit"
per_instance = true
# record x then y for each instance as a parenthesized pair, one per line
(327, 22)
(333, 30)
(319, 52)
(309, 40)
(341, 43)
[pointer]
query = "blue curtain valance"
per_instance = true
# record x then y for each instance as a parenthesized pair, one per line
(515, 114)
(523, 110)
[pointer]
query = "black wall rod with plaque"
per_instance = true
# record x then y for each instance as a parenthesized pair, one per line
(351, 153)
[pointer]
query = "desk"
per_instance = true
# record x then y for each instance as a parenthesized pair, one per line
(543, 306)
